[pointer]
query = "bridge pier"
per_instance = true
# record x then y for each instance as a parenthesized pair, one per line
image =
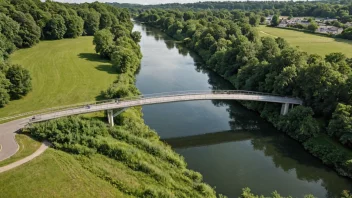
(284, 108)
(110, 114)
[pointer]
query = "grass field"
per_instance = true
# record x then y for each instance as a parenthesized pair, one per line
(311, 43)
(27, 146)
(54, 174)
(64, 72)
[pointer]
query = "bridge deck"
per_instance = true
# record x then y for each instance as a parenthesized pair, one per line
(165, 99)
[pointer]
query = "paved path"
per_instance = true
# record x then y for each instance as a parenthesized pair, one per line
(41, 150)
(7, 130)
(7, 137)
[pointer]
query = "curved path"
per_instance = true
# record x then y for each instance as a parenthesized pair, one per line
(38, 152)
(7, 130)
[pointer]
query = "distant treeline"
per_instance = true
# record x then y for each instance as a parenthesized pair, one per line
(25, 23)
(333, 9)
(232, 47)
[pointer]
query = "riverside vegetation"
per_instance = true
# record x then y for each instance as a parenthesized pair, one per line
(230, 45)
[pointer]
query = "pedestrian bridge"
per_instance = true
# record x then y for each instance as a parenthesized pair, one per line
(122, 104)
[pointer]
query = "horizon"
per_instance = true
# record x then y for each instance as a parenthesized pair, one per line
(150, 2)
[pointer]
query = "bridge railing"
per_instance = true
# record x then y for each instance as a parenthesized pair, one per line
(139, 97)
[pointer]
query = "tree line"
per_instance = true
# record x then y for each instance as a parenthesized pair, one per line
(25, 23)
(332, 9)
(341, 10)
(228, 43)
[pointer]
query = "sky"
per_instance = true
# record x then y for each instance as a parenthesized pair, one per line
(140, 1)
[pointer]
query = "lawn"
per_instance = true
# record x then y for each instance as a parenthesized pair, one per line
(27, 146)
(64, 72)
(54, 174)
(311, 43)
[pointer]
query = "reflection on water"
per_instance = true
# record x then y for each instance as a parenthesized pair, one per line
(231, 146)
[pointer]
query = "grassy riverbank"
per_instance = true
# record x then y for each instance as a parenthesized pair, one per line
(63, 72)
(311, 43)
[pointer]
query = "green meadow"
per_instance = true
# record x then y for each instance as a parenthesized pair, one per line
(63, 72)
(311, 43)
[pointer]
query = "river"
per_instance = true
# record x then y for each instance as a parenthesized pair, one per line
(229, 145)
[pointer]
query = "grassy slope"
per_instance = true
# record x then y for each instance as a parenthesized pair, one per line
(64, 72)
(27, 146)
(54, 174)
(313, 44)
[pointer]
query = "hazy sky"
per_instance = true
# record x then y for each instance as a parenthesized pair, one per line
(139, 1)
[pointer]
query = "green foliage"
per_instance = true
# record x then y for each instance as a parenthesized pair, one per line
(29, 32)
(347, 33)
(74, 25)
(55, 28)
(246, 193)
(299, 123)
(20, 79)
(159, 169)
(340, 125)
(103, 43)
(91, 24)
(312, 26)
(275, 20)
(124, 59)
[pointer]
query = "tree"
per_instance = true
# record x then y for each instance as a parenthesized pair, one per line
(103, 41)
(55, 28)
(347, 33)
(275, 21)
(299, 123)
(136, 36)
(29, 31)
(8, 27)
(20, 79)
(312, 26)
(105, 20)
(340, 125)
(254, 20)
(4, 85)
(74, 25)
(125, 60)
(91, 24)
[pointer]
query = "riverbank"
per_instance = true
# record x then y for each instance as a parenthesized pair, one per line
(329, 152)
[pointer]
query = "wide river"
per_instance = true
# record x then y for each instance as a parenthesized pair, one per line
(229, 145)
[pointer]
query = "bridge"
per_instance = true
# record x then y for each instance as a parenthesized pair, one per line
(117, 106)
(121, 104)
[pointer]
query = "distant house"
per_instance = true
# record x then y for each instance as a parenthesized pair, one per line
(326, 29)
(268, 19)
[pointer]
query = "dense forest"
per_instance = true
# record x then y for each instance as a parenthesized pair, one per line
(25, 23)
(334, 9)
(228, 43)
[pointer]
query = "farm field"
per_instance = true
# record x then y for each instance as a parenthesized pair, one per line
(63, 72)
(313, 44)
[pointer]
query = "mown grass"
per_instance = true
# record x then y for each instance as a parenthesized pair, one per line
(27, 146)
(311, 43)
(63, 72)
(54, 174)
